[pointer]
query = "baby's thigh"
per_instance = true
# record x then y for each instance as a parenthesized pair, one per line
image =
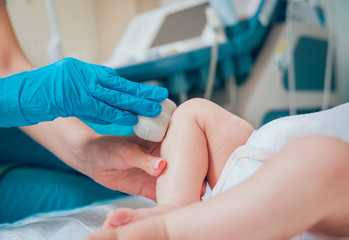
(329, 156)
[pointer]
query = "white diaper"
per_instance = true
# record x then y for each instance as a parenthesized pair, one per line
(272, 137)
(242, 164)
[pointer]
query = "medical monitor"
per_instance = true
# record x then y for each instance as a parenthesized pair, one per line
(181, 25)
(172, 29)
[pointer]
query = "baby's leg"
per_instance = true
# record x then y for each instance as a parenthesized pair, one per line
(200, 139)
(304, 186)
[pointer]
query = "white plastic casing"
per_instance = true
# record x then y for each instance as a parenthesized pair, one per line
(154, 129)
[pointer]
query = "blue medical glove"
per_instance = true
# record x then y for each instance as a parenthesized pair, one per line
(71, 88)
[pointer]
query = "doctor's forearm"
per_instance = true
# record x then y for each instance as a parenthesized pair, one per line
(63, 137)
(12, 58)
(52, 135)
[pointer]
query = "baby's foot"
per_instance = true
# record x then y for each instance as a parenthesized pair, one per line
(152, 228)
(124, 216)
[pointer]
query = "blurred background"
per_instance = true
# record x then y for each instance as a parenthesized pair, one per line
(89, 29)
(260, 59)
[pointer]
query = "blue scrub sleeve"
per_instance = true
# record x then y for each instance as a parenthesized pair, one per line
(18, 148)
(26, 191)
(33, 154)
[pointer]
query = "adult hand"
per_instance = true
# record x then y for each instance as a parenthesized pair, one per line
(71, 88)
(128, 163)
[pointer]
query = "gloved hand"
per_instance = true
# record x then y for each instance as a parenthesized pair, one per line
(71, 88)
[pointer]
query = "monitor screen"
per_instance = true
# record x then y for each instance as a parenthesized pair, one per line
(182, 25)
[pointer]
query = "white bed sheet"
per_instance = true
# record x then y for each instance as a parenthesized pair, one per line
(71, 224)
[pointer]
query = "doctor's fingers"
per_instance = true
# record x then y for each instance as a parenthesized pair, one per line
(153, 93)
(127, 102)
(109, 71)
(93, 120)
(102, 113)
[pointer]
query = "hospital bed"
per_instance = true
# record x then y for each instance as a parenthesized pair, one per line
(265, 95)
(294, 72)
(186, 47)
